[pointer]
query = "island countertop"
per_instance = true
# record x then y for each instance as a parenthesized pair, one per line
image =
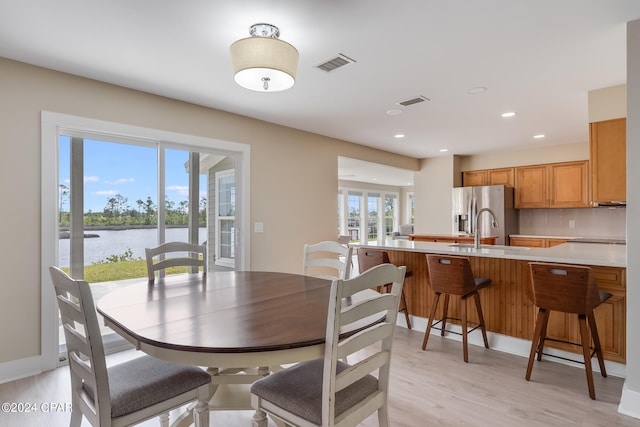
(570, 253)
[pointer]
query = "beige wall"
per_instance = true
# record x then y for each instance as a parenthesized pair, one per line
(294, 178)
(608, 103)
(432, 189)
(529, 156)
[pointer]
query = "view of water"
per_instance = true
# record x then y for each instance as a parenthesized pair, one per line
(116, 242)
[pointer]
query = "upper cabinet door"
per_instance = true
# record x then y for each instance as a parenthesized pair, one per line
(608, 148)
(569, 185)
(532, 187)
(474, 178)
(504, 176)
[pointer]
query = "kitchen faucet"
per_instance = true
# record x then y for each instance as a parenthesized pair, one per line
(494, 223)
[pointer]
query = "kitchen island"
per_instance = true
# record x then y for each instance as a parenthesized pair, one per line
(506, 306)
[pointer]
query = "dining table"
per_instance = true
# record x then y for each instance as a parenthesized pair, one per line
(241, 325)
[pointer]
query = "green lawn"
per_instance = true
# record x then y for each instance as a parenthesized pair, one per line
(112, 271)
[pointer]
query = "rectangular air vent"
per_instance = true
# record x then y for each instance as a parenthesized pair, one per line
(414, 100)
(335, 63)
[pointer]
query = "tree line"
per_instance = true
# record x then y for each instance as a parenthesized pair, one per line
(118, 211)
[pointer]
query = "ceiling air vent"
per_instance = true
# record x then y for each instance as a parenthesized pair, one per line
(335, 63)
(414, 100)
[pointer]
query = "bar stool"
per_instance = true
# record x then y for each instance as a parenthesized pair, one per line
(452, 275)
(568, 289)
(368, 258)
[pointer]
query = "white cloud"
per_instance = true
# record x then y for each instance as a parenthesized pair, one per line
(121, 181)
(106, 193)
(91, 179)
(180, 189)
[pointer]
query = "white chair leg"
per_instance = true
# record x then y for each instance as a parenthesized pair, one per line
(164, 419)
(259, 419)
(76, 417)
(383, 417)
(201, 414)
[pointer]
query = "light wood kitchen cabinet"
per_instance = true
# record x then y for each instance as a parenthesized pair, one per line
(569, 185)
(501, 176)
(474, 178)
(555, 242)
(487, 240)
(504, 176)
(532, 187)
(530, 242)
(607, 151)
(536, 242)
(554, 185)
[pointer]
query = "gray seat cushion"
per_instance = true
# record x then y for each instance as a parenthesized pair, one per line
(145, 381)
(299, 390)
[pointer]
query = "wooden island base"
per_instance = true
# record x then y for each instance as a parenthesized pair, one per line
(507, 308)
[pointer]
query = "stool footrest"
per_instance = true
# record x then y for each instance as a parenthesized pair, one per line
(476, 325)
(593, 350)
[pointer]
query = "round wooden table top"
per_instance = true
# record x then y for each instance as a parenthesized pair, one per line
(222, 312)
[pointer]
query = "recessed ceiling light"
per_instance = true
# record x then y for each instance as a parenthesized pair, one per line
(508, 114)
(394, 112)
(477, 90)
(539, 136)
(398, 135)
(444, 150)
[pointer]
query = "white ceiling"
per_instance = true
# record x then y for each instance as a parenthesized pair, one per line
(537, 58)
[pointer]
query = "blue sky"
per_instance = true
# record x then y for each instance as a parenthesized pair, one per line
(128, 170)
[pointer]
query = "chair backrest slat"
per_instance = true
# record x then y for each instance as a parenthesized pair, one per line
(196, 256)
(328, 259)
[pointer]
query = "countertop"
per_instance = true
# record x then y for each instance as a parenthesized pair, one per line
(585, 253)
(538, 236)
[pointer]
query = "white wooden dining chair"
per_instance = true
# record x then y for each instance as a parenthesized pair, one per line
(124, 394)
(196, 256)
(328, 392)
(328, 260)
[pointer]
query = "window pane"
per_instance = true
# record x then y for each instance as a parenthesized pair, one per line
(372, 220)
(353, 219)
(390, 207)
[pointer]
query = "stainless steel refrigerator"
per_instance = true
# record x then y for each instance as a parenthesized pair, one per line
(468, 201)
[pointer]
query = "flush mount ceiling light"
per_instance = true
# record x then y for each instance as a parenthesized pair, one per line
(263, 62)
(508, 114)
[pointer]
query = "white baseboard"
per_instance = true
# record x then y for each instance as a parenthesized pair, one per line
(516, 346)
(21, 368)
(629, 402)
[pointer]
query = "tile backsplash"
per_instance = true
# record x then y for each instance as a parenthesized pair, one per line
(594, 222)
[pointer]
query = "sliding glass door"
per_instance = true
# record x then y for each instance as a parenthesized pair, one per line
(117, 198)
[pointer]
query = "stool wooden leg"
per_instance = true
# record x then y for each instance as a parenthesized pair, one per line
(596, 343)
(543, 333)
(445, 313)
(535, 342)
(586, 352)
(476, 298)
(431, 316)
(405, 308)
(463, 318)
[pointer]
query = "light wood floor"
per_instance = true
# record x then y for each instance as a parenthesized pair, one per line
(428, 388)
